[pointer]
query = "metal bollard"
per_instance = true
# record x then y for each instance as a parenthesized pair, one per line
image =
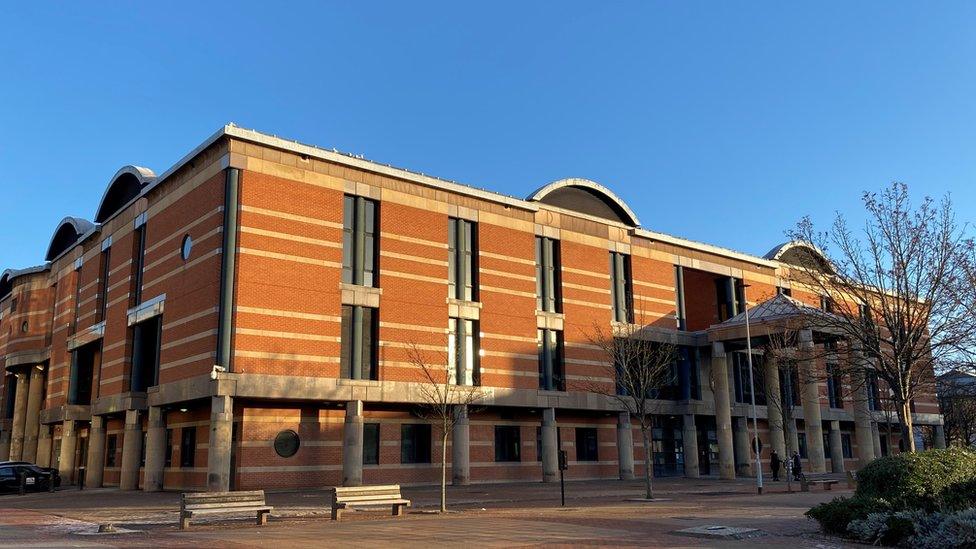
(81, 477)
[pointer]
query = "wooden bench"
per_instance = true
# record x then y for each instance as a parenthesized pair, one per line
(349, 497)
(213, 503)
(807, 480)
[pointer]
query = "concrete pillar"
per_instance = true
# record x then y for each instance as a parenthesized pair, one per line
(43, 446)
(131, 451)
(20, 416)
(689, 440)
(723, 412)
(836, 448)
(625, 446)
(550, 446)
(66, 459)
(95, 467)
(862, 414)
(810, 397)
(352, 444)
(940, 440)
(743, 463)
(461, 449)
(221, 437)
(155, 450)
(35, 397)
(876, 438)
(774, 410)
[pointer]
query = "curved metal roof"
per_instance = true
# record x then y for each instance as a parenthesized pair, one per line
(590, 189)
(125, 186)
(68, 232)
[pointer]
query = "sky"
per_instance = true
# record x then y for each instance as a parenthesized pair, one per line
(722, 122)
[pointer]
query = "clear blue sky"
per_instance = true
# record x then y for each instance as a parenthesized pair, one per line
(717, 122)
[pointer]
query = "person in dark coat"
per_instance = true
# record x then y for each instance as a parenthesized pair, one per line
(796, 466)
(775, 463)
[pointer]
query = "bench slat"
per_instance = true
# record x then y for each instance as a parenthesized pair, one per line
(195, 512)
(383, 503)
(371, 496)
(225, 505)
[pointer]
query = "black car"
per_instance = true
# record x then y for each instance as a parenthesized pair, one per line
(36, 478)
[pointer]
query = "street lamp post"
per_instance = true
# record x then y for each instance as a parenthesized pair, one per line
(752, 394)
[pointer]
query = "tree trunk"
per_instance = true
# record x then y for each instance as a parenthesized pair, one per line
(648, 464)
(444, 470)
(907, 430)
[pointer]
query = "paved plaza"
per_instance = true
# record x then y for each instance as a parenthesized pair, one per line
(597, 513)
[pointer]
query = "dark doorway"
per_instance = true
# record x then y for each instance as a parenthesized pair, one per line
(145, 355)
(707, 445)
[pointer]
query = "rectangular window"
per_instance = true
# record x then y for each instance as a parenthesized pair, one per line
(359, 224)
(103, 270)
(874, 395)
(621, 287)
(462, 242)
(74, 319)
(784, 291)
(415, 443)
(730, 295)
(82, 373)
(371, 444)
(138, 263)
(586, 444)
(801, 441)
(145, 354)
(789, 386)
(681, 316)
(508, 443)
(550, 347)
(188, 446)
(845, 442)
(111, 446)
(547, 275)
(744, 385)
(169, 449)
(463, 351)
(10, 396)
(359, 347)
(826, 304)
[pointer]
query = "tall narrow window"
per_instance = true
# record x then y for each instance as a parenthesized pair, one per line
(168, 462)
(463, 347)
(730, 296)
(103, 270)
(835, 382)
(81, 376)
(188, 446)
(111, 448)
(679, 292)
(550, 344)
(77, 304)
(415, 443)
(621, 288)
(145, 354)
(371, 444)
(508, 443)
(587, 445)
(826, 304)
(358, 355)
(874, 395)
(359, 241)
(138, 263)
(10, 396)
(547, 275)
(462, 242)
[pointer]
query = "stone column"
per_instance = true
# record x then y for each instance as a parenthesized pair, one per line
(810, 397)
(723, 412)
(743, 466)
(352, 444)
(876, 438)
(550, 446)
(836, 448)
(625, 446)
(66, 459)
(221, 436)
(20, 417)
(35, 396)
(940, 440)
(689, 440)
(95, 467)
(774, 410)
(131, 451)
(862, 414)
(155, 450)
(43, 446)
(461, 449)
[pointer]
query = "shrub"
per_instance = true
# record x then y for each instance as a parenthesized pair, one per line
(835, 515)
(945, 530)
(918, 480)
(958, 496)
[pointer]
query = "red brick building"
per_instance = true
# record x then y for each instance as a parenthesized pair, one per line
(244, 320)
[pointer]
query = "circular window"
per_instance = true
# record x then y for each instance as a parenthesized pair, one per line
(24, 326)
(286, 443)
(186, 247)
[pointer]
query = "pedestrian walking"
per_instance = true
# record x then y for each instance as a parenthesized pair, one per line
(775, 463)
(796, 466)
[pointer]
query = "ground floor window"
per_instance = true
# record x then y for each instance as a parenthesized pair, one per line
(188, 446)
(801, 441)
(169, 448)
(507, 443)
(371, 444)
(667, 445)
(111, 446)
(587, 447)
(845, 443)
(415, 443)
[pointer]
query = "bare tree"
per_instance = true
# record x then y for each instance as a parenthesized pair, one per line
(779, 351)
(958, 403)
(637, 368)
(445, 403)
(895, 287)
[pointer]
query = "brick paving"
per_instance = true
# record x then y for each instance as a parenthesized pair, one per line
(509, 515)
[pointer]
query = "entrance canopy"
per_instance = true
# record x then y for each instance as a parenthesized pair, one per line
(775, 315)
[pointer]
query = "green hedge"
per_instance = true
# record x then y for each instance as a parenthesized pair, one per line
(835, 515)
(918, 480)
